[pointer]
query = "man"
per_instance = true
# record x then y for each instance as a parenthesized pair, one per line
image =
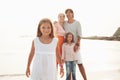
(74, 27)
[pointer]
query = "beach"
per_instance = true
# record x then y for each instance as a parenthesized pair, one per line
(100, 59)
(106, 75)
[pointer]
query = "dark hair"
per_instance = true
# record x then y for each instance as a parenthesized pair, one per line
(69, 10)
(66, 36)
(45, 20)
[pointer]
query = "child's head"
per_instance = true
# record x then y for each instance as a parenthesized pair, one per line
(69, 37)
(45, 28)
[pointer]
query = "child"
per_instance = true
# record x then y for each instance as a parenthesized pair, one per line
(69, 56)
(60, 32)
(45, 51)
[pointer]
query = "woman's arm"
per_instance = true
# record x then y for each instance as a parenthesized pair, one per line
(59, 59)
(63, 53)
(30, 59)
(58, 56)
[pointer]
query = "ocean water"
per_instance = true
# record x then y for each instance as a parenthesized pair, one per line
(100, 58)
(101, 55)
(14, 54)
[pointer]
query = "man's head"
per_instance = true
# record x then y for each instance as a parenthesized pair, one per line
(69, 13)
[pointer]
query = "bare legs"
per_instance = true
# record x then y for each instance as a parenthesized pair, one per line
(82, 70)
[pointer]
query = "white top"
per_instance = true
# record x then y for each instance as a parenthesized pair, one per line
(44, 63)
(74, 28)
(59, 29)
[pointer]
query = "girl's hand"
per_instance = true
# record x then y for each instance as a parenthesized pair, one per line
(28, 72)
(61, 72)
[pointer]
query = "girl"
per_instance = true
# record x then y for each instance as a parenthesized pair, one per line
(45, 51)
(69, 56)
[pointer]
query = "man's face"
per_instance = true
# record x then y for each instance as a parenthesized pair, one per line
(69, 15)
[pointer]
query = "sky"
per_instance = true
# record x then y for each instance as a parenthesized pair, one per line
(21, 17)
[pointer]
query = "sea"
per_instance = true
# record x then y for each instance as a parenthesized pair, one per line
(101, 59)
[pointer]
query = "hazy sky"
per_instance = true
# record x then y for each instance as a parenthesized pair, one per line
(21, 17)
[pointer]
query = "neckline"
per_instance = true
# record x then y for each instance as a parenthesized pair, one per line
(70, 44)
(70, 22)
(44, 43)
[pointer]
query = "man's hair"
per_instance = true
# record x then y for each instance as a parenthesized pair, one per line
(69, 10)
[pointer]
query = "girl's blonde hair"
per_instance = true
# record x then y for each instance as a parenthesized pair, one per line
(45, 20)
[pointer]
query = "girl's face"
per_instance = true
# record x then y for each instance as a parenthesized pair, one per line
(45, 29)
(69, 38)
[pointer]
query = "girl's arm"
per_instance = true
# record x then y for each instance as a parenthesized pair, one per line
(30, 59)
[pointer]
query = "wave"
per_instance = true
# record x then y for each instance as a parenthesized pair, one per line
(4, 75)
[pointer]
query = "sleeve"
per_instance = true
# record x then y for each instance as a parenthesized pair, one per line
(56, 39)
(63, 51)
(35, 41)
(79, 30)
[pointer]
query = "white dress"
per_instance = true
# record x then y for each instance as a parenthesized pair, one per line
(44, 63)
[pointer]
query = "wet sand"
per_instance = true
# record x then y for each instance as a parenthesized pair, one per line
(99, 75)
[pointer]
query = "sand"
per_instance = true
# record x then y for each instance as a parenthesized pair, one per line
(99, 75)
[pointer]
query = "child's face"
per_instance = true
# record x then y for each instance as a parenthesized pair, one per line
(45, 29)
(69, 38)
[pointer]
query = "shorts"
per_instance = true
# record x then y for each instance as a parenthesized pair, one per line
(79, 61)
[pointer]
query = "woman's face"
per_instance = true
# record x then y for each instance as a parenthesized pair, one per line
(45, 29)
(61, 17)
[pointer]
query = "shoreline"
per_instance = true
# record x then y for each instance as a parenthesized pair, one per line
(111, 38)
(91, 75)
(4, 75)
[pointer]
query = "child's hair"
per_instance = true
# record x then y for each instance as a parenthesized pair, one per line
(66, 36)
(45, 20)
